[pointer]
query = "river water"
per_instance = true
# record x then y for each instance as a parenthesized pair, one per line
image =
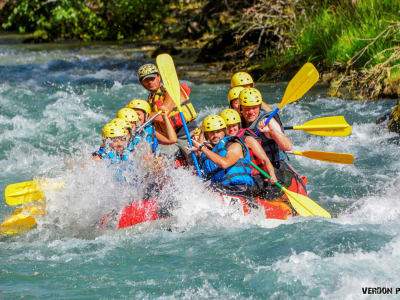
(53, 104)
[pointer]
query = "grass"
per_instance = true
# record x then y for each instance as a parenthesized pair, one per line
(337, 34)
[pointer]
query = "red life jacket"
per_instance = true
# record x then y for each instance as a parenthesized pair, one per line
(156, 100)
(243, 132)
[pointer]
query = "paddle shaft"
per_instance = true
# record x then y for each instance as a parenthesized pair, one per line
(196, 164)
(316, 127)
(269, 118)
(140, 128)
(265, 174)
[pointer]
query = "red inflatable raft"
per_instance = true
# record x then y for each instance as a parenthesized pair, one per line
(151, 210)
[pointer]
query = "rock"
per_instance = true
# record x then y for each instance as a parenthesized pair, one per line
(165, 49)
(394, 119)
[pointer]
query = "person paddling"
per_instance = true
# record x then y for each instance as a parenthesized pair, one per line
(149, 77)
(258, 156)
(227, 162)
(273, 139)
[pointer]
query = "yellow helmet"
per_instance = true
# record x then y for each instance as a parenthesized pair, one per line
(140, 104)
(234, 93)
(241, 78)
(128, 114)
(121, 122)
(230, 116)
(147, 70)
(112, 130)
(250, 97)
(212, 123)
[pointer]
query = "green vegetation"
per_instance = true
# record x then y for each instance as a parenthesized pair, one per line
(360, 39)
(86, 20)
(356, 43)
(336, 35)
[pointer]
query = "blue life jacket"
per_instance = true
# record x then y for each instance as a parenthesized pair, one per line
(239, 173)
(271, 148)
(102, 152)
(149, 133)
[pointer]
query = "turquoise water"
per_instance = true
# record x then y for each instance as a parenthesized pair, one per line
(53, 104)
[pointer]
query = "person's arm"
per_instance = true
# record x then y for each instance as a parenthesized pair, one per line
(233, 155)
(261, 155)
(170, 137)
(273, 131)
(168, 104)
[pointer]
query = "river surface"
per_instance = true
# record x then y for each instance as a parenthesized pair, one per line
(53, 104)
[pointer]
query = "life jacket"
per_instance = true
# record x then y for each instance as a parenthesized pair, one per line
(104, 154)
(149, 133)
(271, 148)
(156, 100)
(243, 132)
(239, 173)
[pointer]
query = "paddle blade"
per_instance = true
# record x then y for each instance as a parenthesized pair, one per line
(22, 192)
(28, 191)
(305, 78)
(304, 206)
(332, 157)
(327, 126)
(22, 219)
(169, 77)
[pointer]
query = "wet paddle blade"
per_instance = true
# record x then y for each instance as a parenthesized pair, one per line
(332, 157)
(22, 192)
(169, 77)
(28, 191)
(22, 219)
(304, 206)
(327, 126)
(305, 78)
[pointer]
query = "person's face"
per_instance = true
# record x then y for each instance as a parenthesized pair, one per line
(235, 105)
(142, 115)
(118, 144)
(215, 136)
(152, 84)
(232, 129)
(250, 113)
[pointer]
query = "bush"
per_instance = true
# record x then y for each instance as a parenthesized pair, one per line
(87, 20)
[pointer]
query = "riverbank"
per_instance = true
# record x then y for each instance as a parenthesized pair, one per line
(354, 47)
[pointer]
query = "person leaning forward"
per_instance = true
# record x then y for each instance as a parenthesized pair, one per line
(150, 79)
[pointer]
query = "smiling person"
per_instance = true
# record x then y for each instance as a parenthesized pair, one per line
(257, 154)
(273, 140)
(227, 163)
(150, 79)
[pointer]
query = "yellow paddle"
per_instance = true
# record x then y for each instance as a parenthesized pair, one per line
(22, 219)
(303, 205)
(170, 80)
(332, 157)
(28, 191)
(327, 126)
(304, 79)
